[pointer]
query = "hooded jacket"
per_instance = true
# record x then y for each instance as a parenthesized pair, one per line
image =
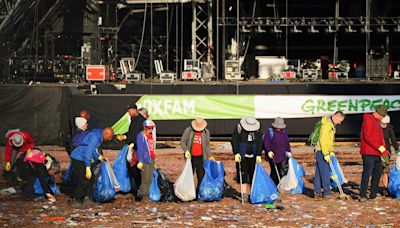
(88, 150)
(142, 151)
(371, 136)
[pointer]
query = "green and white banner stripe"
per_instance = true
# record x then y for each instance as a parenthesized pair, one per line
(185, 107)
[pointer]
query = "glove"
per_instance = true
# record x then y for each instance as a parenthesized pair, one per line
(211, 158)
(327, 158)
(289, 154)
(237, 158)
(332, 154)
(88, 173)
(140, 165)
(335, 177)
(8, 166)
(258, 159)
(121, 137)
(131, 146)
(382, 149)
(271, 154)
(101, 158)
(187, 154)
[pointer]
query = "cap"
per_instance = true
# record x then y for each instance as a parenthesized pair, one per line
(133, 106)
(381, 110)
(148, 124)
(17, 140)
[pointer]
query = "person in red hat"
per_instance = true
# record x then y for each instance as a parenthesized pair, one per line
(17, 141)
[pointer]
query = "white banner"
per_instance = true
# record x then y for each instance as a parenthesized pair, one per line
(301, 106)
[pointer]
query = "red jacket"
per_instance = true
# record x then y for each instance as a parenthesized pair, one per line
(28, 144)
(371, 136)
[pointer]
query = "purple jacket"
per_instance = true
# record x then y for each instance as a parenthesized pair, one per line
(279, 144)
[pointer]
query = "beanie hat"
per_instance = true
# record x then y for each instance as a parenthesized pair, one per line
(80, 123)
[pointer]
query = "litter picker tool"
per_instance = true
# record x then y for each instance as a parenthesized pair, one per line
(342, 194)
(241, 182)
(277, 172)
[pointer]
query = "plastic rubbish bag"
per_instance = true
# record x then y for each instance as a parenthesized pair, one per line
(39, 190)
(338, 171)
(184, 186)
(166, 188)
(298, 169)
(121, 170)
(68, 173)
(104, 190)
(212, 184)
(394, 182)
(154, 191)
(113, 177)
(263, 188)
(289, 181)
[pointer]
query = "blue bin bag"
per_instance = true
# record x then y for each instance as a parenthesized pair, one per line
(67, 176)
(336, 165)
(121, 170)
(104, 190)
(394, 182)
(154, 191)
(39, 190)
(299, 171)
(211, 186)
(263, 188)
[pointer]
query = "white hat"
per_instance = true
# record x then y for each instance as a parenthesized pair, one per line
(17, 140)
(250, 123)
(386, 119)
(81, 123)
(279, 123)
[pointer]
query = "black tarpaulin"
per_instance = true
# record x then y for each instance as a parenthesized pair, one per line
(43, 111)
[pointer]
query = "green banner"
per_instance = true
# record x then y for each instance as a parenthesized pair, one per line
(181, 107)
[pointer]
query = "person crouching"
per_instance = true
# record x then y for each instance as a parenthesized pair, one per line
(81, 158)
(39, 166)
(146, 146)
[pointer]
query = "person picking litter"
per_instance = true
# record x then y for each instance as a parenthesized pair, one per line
(390, 140)
(324, 152)
(195, 143)
(247, 147)
(277, 149)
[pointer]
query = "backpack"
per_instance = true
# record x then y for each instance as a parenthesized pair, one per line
(313, 139)
(271, 135)
(35, 155)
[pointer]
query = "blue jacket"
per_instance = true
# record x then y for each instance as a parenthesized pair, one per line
(87, 151)
(142, 150)
(78, 137)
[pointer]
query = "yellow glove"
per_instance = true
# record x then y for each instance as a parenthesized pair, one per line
(101, 158)
(332, 154)
(131, 146)
(140, 165)
(121, 137)
(327, 158)
(187, 154)
(237, 158)
(271, 154)
(88, 173)
(334, 177)
(8, 166)
(382, 149)
(258, 159)
(211, 158)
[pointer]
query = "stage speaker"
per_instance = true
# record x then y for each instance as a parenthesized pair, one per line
(378, 68)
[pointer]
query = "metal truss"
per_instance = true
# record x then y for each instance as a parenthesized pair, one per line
(381, 24)
(201, 30)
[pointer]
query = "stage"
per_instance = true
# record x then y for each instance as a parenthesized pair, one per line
(47, 110)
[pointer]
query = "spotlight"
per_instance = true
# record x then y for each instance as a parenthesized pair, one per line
(276, 30)
(349, 29)
(260, 30)
(313, 30)
(295, 30)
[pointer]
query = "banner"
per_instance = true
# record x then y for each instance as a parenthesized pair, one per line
(185, 107)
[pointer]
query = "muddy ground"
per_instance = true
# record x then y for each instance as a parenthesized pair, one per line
(300, 210)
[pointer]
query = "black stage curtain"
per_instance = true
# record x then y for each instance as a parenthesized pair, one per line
(43, 111)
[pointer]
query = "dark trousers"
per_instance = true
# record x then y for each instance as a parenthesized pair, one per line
(247, 166)
(274, 175)
(371, 166)
(82, 186)
(35, 170)
(135, 178)
(197, 166)
(322, 175)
